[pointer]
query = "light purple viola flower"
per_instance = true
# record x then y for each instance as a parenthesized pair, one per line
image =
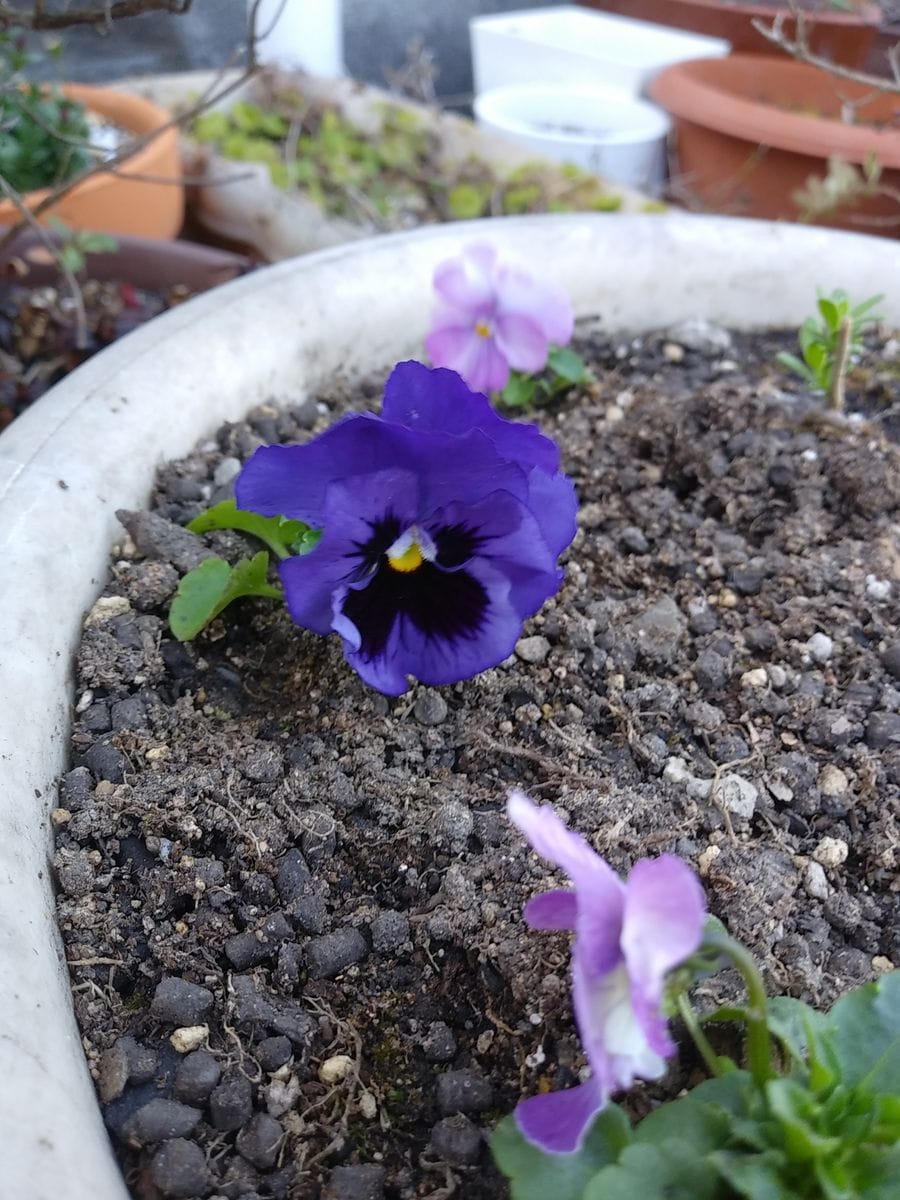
(628, 937)
(492, 316)
(443, 523)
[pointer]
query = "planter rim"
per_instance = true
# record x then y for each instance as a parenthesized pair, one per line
(135, 113)
(698, 91)
(91, 445)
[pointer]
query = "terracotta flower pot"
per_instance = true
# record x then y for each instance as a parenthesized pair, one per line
(144, 196)
(843, 37)
(750, 131)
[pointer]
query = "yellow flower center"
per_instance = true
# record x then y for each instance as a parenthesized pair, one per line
(410, 560)
(483, 329)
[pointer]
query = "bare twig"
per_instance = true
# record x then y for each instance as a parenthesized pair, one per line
(62, 266)
(214, 93)
(34, 17)
(841, 358)
(798, 47)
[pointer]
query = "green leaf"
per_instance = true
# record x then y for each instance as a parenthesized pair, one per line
(866, 307)
(204, 592)
(669, 1170)
(795, 1025)
(567, 364)
(467, 200)
(704, 1127)
(865, 1026)
(793, 363)
(535, 1175)
(796, 1112)
(520, 391)
(753, 1176)
(278, 533)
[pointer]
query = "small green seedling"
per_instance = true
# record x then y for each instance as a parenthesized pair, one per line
(207, 590)
(564, 370)
(76, 244)
(831, 343)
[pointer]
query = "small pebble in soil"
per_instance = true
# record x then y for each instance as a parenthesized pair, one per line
(532, 649)
(179, 1170)
(180, 1002)
(463, 1091)
(231, 1103)
(259, 1139)
(820, 647)
(335, 1069)
(195, 1077)
(430, 708)
(362, 1182)
(831, 852)
(332, 953)
(456, 1140)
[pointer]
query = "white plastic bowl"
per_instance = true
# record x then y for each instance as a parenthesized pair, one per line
(569, 44)
(602, 129)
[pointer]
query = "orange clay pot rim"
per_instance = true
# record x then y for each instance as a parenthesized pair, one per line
(698, 91)
(867, 13)
(134, 113)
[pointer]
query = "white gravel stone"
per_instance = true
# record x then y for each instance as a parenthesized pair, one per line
(815, 881)
(757, 678)
(189, 1037)
(532, 649)
(335, 1069)
(832, 781)
(227, 469)
(820, 647)
(831, 852)
(106, 608)
(877, 589)
(737, 795)
(778, 676)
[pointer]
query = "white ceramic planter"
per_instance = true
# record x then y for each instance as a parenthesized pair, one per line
(92, 444)
(301, 35)
(569, 44)
(603, 130)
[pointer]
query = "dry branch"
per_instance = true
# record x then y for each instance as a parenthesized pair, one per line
(35, 16)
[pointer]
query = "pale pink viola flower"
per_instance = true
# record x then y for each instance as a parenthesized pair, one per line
(492, 316)
(628, 937)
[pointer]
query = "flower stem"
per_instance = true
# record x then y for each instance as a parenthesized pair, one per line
(695, 1029)
(759, 1043)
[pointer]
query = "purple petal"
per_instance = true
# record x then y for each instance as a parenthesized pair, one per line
(665, 911)
(522, 342)
(544, 302)
(472, 356)
(437, 660)
(552, 910)
(558, 1122)
(509, 537)
(449, 344)
(311, 580)
(439, 401)
(466, 282)
(562, 846)
(612, 1034)
(553, 501)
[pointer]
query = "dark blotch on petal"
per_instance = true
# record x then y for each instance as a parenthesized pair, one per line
(456, 544)
(444, 606)
(384, 533)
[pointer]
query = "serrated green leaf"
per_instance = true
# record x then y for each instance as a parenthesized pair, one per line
(535, 1175)
(278, 533)
(796, 1112)
(865, 1027)
(207, 590)
(568, 365)
(794, 1024)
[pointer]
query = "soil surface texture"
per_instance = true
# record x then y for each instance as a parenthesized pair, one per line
(292, 906)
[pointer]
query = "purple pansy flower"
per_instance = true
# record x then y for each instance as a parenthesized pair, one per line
(442, 526)
(492, 316)
(628, 936)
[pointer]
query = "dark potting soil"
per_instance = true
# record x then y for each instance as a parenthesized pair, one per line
(38, 333)
(291, 906)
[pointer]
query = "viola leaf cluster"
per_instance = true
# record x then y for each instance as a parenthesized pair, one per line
(209, 588)
(815, 1116)
(565, 369)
